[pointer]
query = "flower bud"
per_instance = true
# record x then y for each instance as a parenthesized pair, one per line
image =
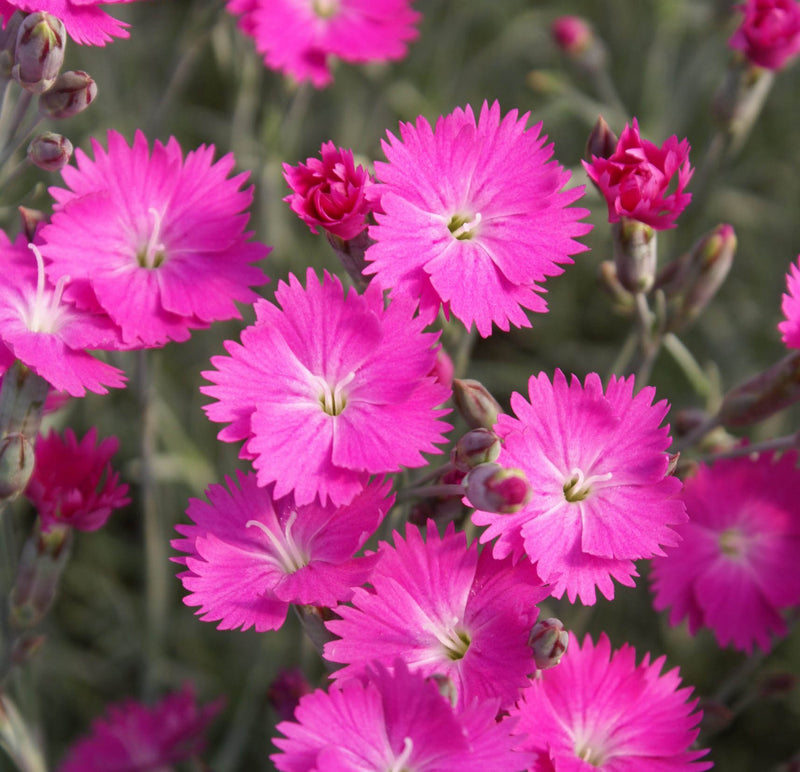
(494, 488)
(602, 142)
(739, 100)
(71, 94)
(635, 254)
(607, 276)
(478, 446)
(572, 34)
(8, 44)
(549, 640)
(476, 405)
(286, 690)
(16, 465)
(39, 51)
(50, 151)
(30, 221)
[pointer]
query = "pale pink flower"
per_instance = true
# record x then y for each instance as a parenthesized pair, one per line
(599, 710)
(790, 328)
(155, 240)
(249, 555)
(132, 737)
(328, 389)
(84, 20)
(769, 35)
(602, 493)
(736, 568)
(474, 217)
(644, 182)
(73, 483)
(299, 37)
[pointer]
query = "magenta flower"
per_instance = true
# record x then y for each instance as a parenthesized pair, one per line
(73, 483)
(769, 35)
(330, 193)
(790, 328)
(250, 555)
(84, 21)
(639, 179)
(327, 389)
(394, 720)
(157, 241)
(737, 566)
(445, 611)
(298, 38)
(132, 737)
(46, 333)
(572, 34)
(474, 217)
(600, 710)
(602, 493)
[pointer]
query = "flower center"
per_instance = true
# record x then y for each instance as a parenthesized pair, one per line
(463, 226)
(153, 253)
(399, 764)
(333, 398)
(577, 486)
(47, 313)
(732, 543)
(593, 756)
(325, 8)
(287, 555)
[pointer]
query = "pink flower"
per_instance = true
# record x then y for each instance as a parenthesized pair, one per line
(250, 555)
(73, 483)
(463, 617)
(572, 34)
(48, 334)
(394, 720)
(132, 737)
(327, 389)
(298, 37)
(330, 193)
(474, 217)
(790, 328)
(769, 35)
(602, 494)
(737, 566)
(85, 22)
(157, 241)
(600, 710)
(638, 179)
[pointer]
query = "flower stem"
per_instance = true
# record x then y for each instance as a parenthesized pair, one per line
(691, 369)
(430, 491)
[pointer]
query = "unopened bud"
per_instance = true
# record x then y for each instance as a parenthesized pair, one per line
(50, 151)
(494, 488)
(739, 99)
(476, 405)
(286, 690)
(30, 220)
(634, 254)
(16, 465)
(607, 276)
(549, 640)
(602, 141)
(351, 255)
(25, 647)
(544, 82)
(765, 394)
(477, 446)
(71, 94)
(576, 38)
(443, 368)
(39, 51)
(8, 44)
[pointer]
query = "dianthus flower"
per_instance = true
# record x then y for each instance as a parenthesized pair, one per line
(602, 494)
(157, 241)
(600, 710)
(84, 21)
(248, 555)
(328, 389)
(298, 38)
(638, 180)
(394, 720)
(474, 217)
(73, 482)
(737, 567)
(47, 334)
(790, 328)
(330, 193)
(769, 35)
(445, 611)
(132, 737)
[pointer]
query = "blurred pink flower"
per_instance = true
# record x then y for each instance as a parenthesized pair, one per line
(599, 710)
(790, 328)
(394, 720)
(328, 389)
(465, 617)
(249, 555)
(132, 737)
(769, 35)
(638, 179)
(330, 193)
(572, 34)
(157, 241)
(73, 483)
(602, 493)
(298, 37)
(84, 21)
(737, 566)
(474, 217)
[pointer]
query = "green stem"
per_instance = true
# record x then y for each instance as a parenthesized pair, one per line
(430, 491)
(691, 369)
(778, 443)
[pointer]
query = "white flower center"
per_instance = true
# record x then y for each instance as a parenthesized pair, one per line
(464, 226)
(47, 313)
(333, 398)
(153, 253)
(454, 639)
(578, 486)
(325, 8)
(287, 555)
(399, 764)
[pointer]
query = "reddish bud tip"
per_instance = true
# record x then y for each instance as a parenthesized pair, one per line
(494, 488)
(549, 640)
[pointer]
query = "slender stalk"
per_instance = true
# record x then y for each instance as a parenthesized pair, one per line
(624, 357)
(686, 361)
(649, 340)
(778, 443)
(429, 491)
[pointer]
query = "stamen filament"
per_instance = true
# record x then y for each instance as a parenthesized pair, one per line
(289, 557)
